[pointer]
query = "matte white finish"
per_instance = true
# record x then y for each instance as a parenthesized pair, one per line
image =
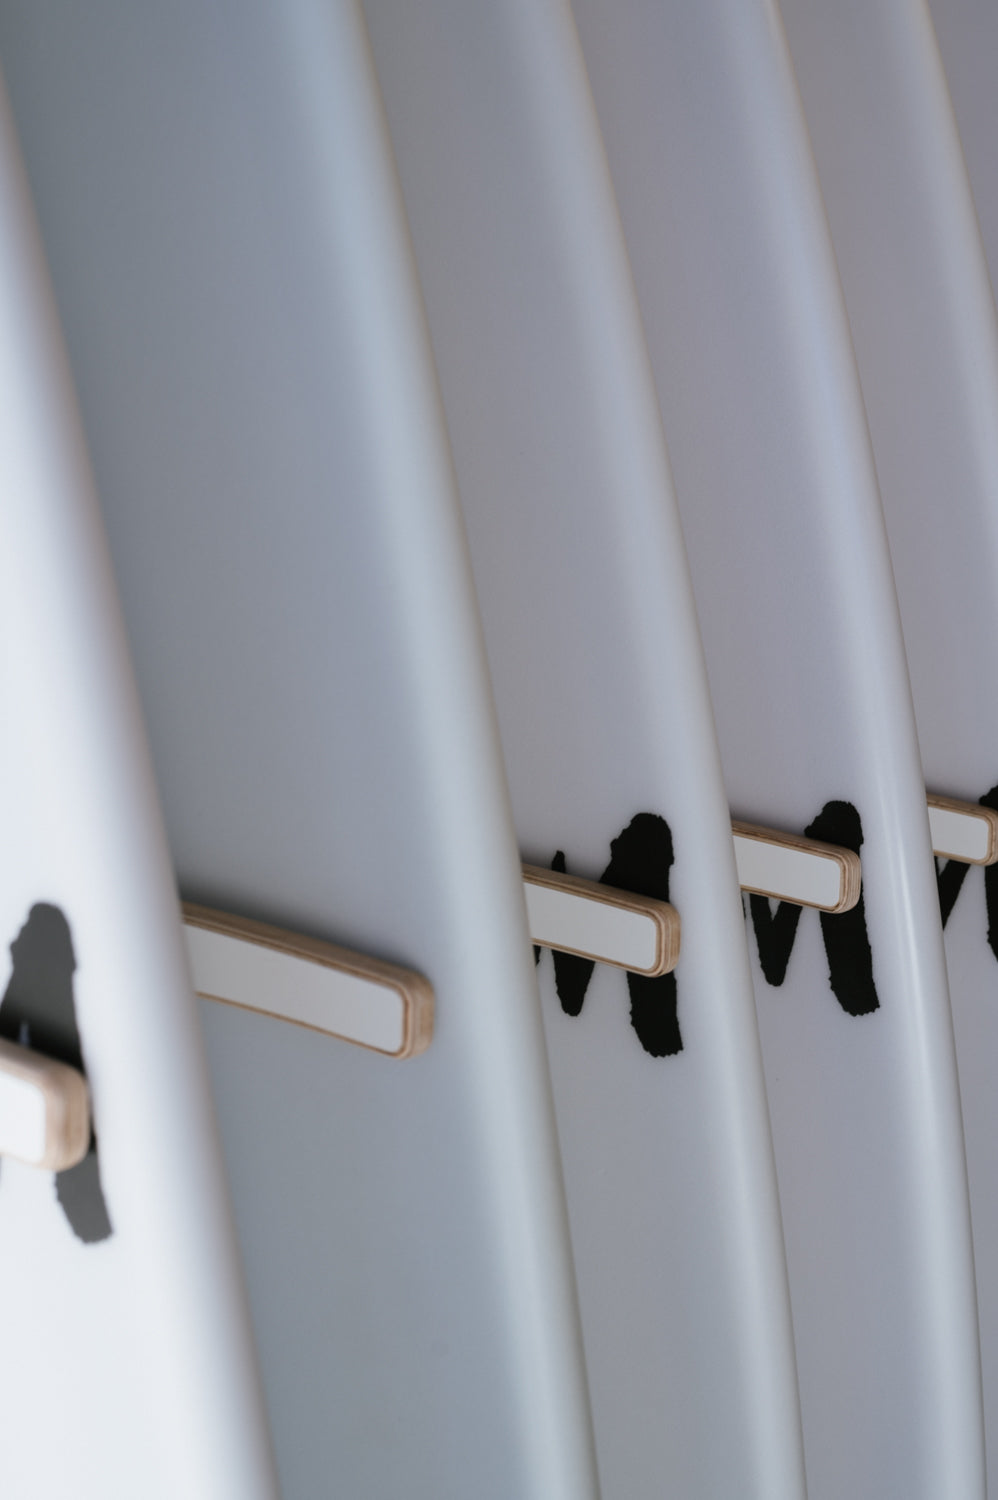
(923, 322)
(776, 483)
(959, 835)
(810, 879)
(604, 714)
(963, 754)
(22, 1119)
(216, 190)
(136, 1347)
(967, 34)
(558, 919)
(279, 984)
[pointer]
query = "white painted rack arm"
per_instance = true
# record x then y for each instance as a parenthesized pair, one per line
(600, 922)
(44, 1110)
(789, 867)
(964, 831)
(311, 983)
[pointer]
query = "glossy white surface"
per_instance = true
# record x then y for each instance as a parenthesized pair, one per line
(136, 1345)
(604, 714)
(777, 488)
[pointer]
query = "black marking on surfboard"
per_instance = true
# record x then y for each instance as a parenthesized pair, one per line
(38, 1010)
(640, 859)
(951, 873)
(774, 935)
(847, 946)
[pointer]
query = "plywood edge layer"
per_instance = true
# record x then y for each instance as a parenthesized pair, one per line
(790, 867)
(254, 982)
(609, 926)
(964, 831)
(44, 1109)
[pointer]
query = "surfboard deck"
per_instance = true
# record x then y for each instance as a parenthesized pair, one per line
(229, 254)
(925, 332)
(777, 492)
(128, 1366)
(967, 36)
(608, 740)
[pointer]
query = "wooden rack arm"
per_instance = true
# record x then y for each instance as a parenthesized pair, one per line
(44, 1109)
(964, 831)
(789, 867)
(600, 922)
(308, 982)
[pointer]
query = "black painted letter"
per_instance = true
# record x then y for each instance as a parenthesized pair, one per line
(641, 858)
(847, 946)
(38, 1010)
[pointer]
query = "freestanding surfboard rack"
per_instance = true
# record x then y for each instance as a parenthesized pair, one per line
(563, 1252)
(389, 1009)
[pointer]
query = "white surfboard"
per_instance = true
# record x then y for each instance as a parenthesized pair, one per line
(776, 485)
(926, 337)
(608, 739)
(967, 33)
(228, 248)
(967, 36)
(127, 1365)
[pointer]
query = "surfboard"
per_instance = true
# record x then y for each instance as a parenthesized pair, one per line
(924, 328)
(128, 1365)
(229, 253)
(608, 740)
(777, 491)
(967, 36)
